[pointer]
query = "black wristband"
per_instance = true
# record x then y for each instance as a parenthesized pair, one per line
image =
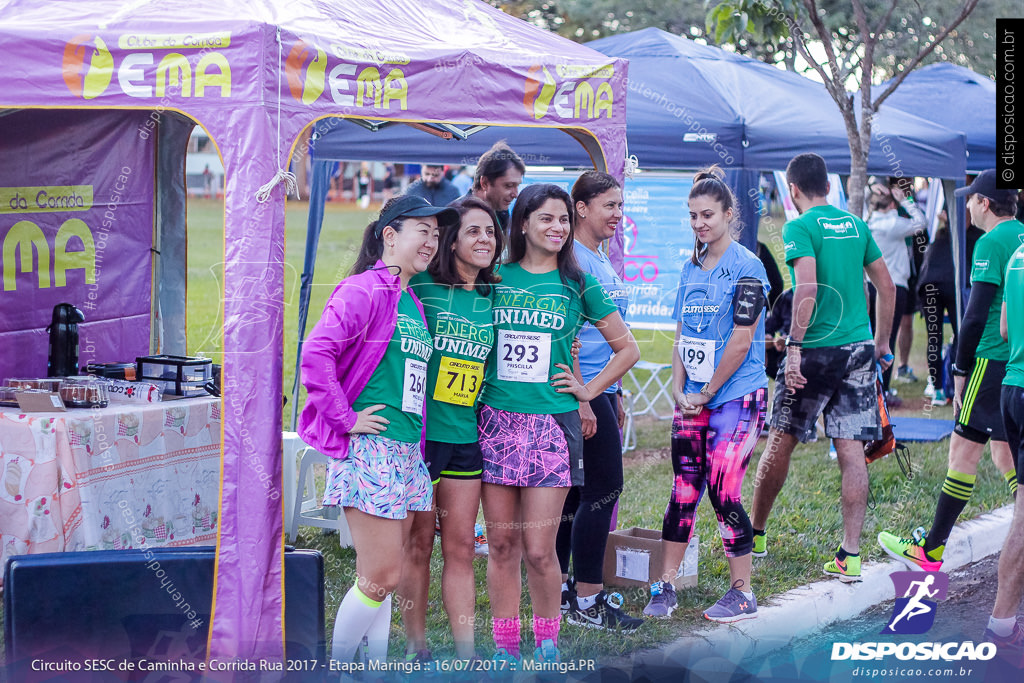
(794, 343)
(957, 372)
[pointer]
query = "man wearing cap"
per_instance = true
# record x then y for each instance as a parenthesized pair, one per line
(434, 187)
(979, 370)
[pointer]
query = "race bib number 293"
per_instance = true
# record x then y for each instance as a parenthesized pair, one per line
(524, 356)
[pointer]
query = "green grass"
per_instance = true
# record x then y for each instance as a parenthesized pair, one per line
(339, 241)
(804, 528)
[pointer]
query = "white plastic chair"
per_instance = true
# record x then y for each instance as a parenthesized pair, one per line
(628, 431)
(654, 388)
(307, 509)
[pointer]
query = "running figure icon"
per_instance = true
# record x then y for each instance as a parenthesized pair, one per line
(916, 601)
(915, 607)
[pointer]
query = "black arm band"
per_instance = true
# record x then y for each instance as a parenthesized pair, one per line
(747, 301)
(973, 324)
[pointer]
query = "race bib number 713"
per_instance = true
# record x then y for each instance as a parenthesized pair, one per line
(458, 381)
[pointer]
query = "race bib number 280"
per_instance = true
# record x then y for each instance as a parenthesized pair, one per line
(414, 385)
(524, 356)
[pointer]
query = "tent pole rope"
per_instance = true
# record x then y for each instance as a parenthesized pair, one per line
(282, 175)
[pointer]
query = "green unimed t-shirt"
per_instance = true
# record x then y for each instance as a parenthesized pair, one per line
(1015, 318)
(399, 382)
(841, 245)
(460, 321)
(991, 255)
(536, 317)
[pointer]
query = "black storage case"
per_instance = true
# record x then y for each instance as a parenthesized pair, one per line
(109, 605)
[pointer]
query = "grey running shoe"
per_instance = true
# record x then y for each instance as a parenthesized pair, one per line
(663, 600)
(734, 606)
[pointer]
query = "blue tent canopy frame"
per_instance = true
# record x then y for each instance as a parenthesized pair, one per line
(688, 106)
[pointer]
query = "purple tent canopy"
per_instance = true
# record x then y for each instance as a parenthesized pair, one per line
(254, 74)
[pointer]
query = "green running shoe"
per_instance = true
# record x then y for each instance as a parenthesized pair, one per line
(847, 571)
(760, 548)
(910, 551)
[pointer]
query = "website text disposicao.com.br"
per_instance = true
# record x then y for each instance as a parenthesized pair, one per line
(954, 656)
(910, 671)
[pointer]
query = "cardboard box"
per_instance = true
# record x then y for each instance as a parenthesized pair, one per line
(39, 401)
(634, 556)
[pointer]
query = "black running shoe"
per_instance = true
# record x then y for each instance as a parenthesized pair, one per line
(569, 597)
(605, 614)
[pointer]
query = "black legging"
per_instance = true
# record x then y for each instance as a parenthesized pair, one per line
(587, 512)
(897, 317)
(938, 299)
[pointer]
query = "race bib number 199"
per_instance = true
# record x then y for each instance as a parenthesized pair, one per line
(413, 386)
(524, 356)
(698, 356)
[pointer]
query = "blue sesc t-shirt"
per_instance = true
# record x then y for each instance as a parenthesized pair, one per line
(704, 307)
(595, 352)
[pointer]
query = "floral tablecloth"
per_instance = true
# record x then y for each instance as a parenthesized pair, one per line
(125, 476)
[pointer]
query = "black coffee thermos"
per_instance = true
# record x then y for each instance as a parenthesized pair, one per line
(63, 329)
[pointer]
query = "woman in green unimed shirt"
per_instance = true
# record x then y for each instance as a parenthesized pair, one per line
(530, 431)
(456, 295)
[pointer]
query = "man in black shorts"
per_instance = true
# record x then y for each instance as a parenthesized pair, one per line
(979, 370)
(830, 360)
(1004, 629)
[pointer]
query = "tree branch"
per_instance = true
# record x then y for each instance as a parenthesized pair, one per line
(965, 10)
(837, 91)
(885, 20)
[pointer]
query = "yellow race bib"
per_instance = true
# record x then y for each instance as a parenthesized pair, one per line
(458, 381)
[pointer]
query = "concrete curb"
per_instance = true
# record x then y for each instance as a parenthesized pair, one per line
(804, 610)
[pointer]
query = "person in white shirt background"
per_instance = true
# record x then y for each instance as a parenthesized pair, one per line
(891, 231)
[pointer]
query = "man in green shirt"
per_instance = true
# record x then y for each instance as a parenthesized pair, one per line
(979, 369)
(1004, 629)
(830, 359)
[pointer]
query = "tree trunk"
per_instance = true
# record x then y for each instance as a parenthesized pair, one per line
(858, 156)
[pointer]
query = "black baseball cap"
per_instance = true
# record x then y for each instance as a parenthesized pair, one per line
(411, 205)
(985, 185)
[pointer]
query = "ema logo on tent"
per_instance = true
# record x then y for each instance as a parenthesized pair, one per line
(308, 78)
(305, 88)
(914, 612)
(574, 98)
(88, 66)
(87, 79)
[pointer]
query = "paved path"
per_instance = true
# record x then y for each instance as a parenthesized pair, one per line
(792, 639)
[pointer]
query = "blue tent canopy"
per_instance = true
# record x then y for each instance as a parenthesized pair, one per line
(758, 115)
(957, 98)
(688, 106)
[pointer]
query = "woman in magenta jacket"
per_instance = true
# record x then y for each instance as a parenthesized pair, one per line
(364, 368)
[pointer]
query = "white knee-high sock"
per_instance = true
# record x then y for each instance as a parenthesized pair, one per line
(379, 633)
(355, 615)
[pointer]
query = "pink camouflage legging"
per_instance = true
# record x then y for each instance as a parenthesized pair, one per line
(712, 450)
